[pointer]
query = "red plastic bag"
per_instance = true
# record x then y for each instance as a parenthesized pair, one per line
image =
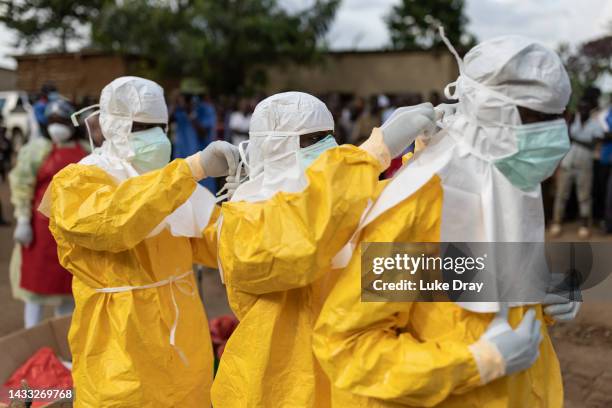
(221, 329)
(41, 371)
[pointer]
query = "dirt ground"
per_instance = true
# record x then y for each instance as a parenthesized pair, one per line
(584, 346)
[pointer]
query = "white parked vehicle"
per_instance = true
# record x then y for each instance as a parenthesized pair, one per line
(18, 117)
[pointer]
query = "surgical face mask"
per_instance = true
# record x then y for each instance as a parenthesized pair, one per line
(541, 146)
(59, 132)
(151, 149)
(309, 154)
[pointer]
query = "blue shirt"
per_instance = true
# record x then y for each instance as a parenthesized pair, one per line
(39, 112)
(188, 142)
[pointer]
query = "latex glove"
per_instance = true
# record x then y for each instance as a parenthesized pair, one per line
(445, 109)
(560, 308)
(231, 183)
(405, 124)
(229, 188)
(219, 159)
(519, 348)
(23, 232)
(516, 349)
(442, 111)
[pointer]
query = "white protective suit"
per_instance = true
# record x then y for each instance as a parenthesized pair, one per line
(480, 204)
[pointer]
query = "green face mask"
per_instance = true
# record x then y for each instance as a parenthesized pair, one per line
(151, 149)
(310, 153)
(541, 146)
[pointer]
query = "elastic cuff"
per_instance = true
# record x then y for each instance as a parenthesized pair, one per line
(196, 167)
(489, 361)
(377, 148)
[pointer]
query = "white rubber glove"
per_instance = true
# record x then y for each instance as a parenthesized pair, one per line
(445, 109)
(405, 124)
(560, 308)
(231, 184)
(219, 159)
(442, 111)
(517, 349)
(23, 232)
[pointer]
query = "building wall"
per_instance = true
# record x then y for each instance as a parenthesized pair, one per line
(76, 75)
(368, 73)
(8, 79)
(79, 75)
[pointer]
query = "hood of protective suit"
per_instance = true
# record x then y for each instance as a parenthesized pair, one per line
(124, 101)
(480, 204)
(495, 78)
(132, 99)
(522, 70)
(271, 157)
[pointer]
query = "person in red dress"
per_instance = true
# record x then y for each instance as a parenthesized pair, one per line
(36, 275)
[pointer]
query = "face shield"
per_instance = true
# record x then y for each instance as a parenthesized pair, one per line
(90, 116)
(125, 104)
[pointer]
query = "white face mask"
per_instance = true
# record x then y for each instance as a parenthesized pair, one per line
(152, 149)
(59, 132)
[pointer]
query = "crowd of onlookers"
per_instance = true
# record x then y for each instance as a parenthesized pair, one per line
(581, 189)
(582, 186)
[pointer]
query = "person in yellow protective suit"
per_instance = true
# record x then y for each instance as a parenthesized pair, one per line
(129, 226)
(477, 180)
(302, 202)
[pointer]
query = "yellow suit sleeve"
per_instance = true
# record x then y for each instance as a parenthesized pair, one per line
(289, 240)
(364, 348)
(89, 209)
(205, 248)
(370, 348)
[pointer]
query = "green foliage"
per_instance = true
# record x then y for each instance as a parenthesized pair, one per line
(227, 43)
(413, 24)
(585, 66)
(32, 19)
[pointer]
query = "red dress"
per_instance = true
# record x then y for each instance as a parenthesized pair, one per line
(41, 271)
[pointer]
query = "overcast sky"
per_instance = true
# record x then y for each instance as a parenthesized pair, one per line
(359, 23)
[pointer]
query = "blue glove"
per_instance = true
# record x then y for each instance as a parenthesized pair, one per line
(519, 348)
(560, 308)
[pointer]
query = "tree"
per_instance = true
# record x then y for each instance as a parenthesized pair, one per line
(33, 19)
(585, 66)
(227, 43)
(413, 24)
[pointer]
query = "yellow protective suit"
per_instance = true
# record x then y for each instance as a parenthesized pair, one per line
(400, 354)
(275, 257)
(120, 345)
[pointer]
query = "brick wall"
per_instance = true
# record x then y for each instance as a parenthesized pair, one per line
(369, 73)
(76, 75)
